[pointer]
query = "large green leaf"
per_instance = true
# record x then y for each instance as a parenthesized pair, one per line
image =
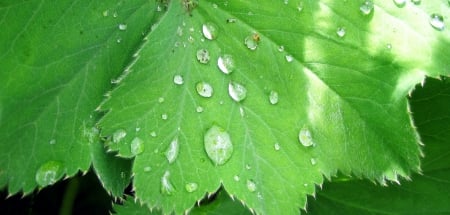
(57, 60)
(340, 77)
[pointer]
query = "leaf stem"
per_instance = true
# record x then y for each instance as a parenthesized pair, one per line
(69, 196)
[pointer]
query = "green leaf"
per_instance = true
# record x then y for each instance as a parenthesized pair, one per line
(425, 194)
(57, 60)
(300, 100)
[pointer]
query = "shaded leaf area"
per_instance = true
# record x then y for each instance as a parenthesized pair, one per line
(57, 62)
(428, 193)
(343, 97)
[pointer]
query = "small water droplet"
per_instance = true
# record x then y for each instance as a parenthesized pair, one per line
(231, 20)
(218, 146)
(215, 6)
(164, 116)
(252, 41)
(259, 195)
(178, 80)
(48, 173)
(180, 31)
(251, 186)
(203, 56)
(153, 134)
(289, 58)
(241, 111)
(191, 187)
(300, 6)
(273, 97)
(172, 151)
(400, 3)
(389, 46)
(166, 185)
(137, 146)
(105, 13)
(138, 129)
(161, 99)
(417, 2)
(115, 15)
(237, 91)
(280, 48)
(210, 31)
(313, 161)
(340, 32)
(226, 64)
(119, 40)
(248, 167)
(119, 135)
(366, 7)
(437, 21)
(236, 178)
(305, 137)
(147, 169)
(199, 109)
(191, 39)
(52, 142)
(122, 27)
(276, 146)
(204, 89)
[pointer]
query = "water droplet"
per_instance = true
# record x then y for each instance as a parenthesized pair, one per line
(286, 1)
(437, 21)
(231, 20)
(251, 186)
(218, 145)
(138, 129)
(280, 48)
(119, 135)
(199, 109)
(241, 111)
(105, 13)
(161, 99)
(273, 97)
(248, 167)
(172, 151)
(417, 2)
(147, 169)
(215, 6)
(203, 56)
(52, 142)
(137, 146)
(164, 116)
(400, 3)
(191, 187)
(210, 31)
(226, 64)
(153, 134)
(180, 31)
(122, 27)
(236, 178)
(389, 46)
(178, 79)
(300, 7)
(191, 39)
(289, 58)
(166, 185)
(204, 89)
(237, 91)
(119, 40)
(340, 32)
(252, 41)
(313, 161)
(305, 137)
(276, 146)
(48, 173)
(115, 15)
(366, 7)
(259, 195)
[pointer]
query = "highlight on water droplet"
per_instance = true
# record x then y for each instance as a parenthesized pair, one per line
(122, 27)
(48, 173)
(437, 21)
(166, 186)
(210, 31)
(218, 145)
(226, 64)
(366, 7)
(252, 41)
(277, 146)
(119, 135)
(172, 151)
(137, 146)
(280, 48)
(273, 97)
(178, 80)
(203, 56)
(237, 91)
(400, 3)
(164, 116)
(305, 137)
(204, 89)
(340, 32)
(251, 186)
(289, 58)
(191, 187)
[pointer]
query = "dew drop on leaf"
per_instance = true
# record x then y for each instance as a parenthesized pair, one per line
(340, 32)
(289, 58)
(237, 91)
(416, 2)
(305, 137)
(164, 116)
(52, 142)
(199, 109)
(147, 169)
(251, 42)
(210, 31)
(276, 146)
(166, 185)
(48, 173)
(218, 145)
(191, 187)
(122, 27)
(273, 97)
(280, 48)
(251, 186)
(178, 80)
(105, 13)
(400, 3)
(226, 64)
(366, 7)
(300, 6)
(313, 161)
(153, 134)
(204, 89)
(161, 99)
(203, 56)
(119, 135)
(236, 178)
(172, 151)
(137, 146)
(437, 22)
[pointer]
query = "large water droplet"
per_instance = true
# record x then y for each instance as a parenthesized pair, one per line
(366, 7)
(122, 27)
(400, 3)
(218, 145)
(191, 187)
(166, 185)
(203, 56)
(48, 173)
(178, 79)
(340, 32)
(210, 31)
(251, 186)
(305, 137)
(119, 135)
(172, 151)
(237, 91)
(204, 89)
(273, 97)
(137, 146)
(437, 21)
(252, 41)
(226, 64)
